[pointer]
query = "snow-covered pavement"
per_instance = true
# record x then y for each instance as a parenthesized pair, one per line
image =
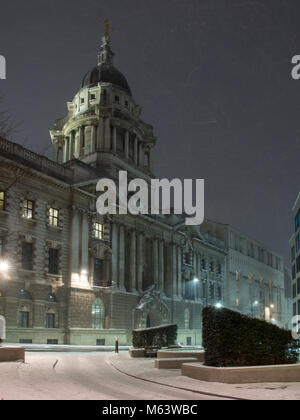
(78, 376)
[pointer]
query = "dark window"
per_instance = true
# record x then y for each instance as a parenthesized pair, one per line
(27, 256)
(298, 286)
(297, 221)
(23, 320)
(2, 200)
(294, 309)
(82, 100)
(53, 261)
(28, 209)
(50, 320)
(52, 341)
(203, 264)
(25, 341)
(294, 291)
(23, 294)
(117, 99)
(188, 341)
(50, 298)
(98, 272)
(100, 342)
(298, 304)
(93, 96)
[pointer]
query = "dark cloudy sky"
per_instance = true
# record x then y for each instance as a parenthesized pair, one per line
(213, 78)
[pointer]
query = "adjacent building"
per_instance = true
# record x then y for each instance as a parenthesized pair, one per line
(295, 258)
(69, 275)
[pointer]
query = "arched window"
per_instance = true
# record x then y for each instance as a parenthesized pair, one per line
(148, 321)
(98, 314)
(23, 294)
(187, 319)
(50, 298)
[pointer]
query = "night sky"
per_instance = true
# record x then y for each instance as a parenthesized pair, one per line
(213, 78)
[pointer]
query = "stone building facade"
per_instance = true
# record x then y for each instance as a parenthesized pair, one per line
(69, 275)
(295, 258)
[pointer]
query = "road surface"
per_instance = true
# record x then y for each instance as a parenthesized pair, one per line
(79, 376)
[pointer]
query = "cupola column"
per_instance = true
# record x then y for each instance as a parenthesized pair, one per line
(136, 150)
(100, 131)
(107, 141)
(141, 154)
(81, 140)
(114, 140)
(93, 143)
(127, 144)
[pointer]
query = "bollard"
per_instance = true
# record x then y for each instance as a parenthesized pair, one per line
(117, 346)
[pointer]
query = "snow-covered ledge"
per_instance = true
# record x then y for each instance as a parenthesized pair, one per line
(242, 375)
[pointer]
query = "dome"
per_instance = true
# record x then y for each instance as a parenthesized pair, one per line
(106, 73)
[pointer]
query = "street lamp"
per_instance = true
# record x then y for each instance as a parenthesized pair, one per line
(219, 305)
(4, 266)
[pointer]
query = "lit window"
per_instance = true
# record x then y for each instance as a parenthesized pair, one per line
(98, 315)
(98, 230)
(28, 209)
(54, 217)
(2, 200)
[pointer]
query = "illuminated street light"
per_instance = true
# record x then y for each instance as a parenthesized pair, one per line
(219, 305)
(4, 266)
(196, 280)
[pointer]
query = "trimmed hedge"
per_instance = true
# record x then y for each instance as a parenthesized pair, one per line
(156, 337)
(231, 339)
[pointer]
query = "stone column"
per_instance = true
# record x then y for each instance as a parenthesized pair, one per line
(65, 157)
(174, 270)
(75, 243)
(114, 140)
(122, 259)
(72, 145)
(155, 260)
(114, 257)
(140, 261)
(161, 268)
(136, 145)
(107, 139)
(141, 155)
(127, 144)
(179, 271)
(85, 244)
(93, 144)
(133, 262)
(81, 141)
(100, 132)
(151, 152)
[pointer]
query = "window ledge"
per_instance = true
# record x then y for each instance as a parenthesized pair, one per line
(55, 228)
(54, 276)
(26, 220)
(22, 270)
